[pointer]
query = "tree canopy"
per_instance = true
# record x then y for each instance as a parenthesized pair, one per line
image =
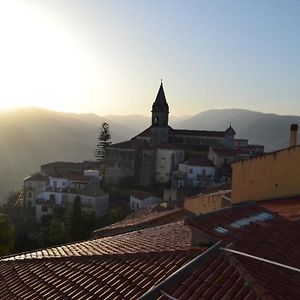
(103, 142)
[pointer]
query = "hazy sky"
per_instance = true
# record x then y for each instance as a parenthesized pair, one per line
(107, 57)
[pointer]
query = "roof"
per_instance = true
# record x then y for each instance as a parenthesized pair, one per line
(200, 162)
(287, 207)
(232, 152)
(133, 144)
(122, 276)
(230, 131)
(142, 195)
(36, 177)
(181, 274)
(215, 275)
(145, 133)
(173, 236)
(143, 219)
(206, 133)
(160, 104)
(262, 155)
(257, 231)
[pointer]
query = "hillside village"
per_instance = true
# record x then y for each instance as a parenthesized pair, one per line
(212, 217)
(180, 162)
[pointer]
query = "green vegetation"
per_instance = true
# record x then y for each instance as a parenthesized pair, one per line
(103, 142)
(19, 231)
(6, 235)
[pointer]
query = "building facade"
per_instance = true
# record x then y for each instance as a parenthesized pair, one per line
(152, 156)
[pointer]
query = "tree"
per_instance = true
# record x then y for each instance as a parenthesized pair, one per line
(103, 142)
(6, 235)
(76, 219)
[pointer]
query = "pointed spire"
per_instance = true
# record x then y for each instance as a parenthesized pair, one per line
(160, 103)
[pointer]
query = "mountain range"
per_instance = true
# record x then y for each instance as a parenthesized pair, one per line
(30, 137)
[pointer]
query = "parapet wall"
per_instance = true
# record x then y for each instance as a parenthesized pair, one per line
(270, 176)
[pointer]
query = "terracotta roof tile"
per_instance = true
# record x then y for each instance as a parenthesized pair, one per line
(143, 219)
(288, 208)
(173, 236)
(254, 230)
(203, 282)
(104, 277)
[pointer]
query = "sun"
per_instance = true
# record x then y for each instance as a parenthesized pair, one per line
(42, 62)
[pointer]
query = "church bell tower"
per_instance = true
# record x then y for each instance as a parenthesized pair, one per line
(160, 118)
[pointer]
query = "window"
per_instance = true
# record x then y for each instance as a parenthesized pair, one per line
(180, 183)
(191, 171)
(29, 194)
(44, 209)
(204, 172)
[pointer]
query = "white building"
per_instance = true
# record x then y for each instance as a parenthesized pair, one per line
(195, 171)
(167, 161)
(44, 193)
(140, 199)
(97, 204)
(33, 186)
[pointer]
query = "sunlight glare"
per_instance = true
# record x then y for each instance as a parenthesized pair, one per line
(42, 64)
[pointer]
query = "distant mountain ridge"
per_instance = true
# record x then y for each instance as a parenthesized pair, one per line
(33, 136)
(270, 130)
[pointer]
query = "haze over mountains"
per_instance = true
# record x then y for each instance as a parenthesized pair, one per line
(32, 136)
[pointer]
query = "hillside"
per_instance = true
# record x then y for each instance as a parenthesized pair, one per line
(31, 137)
(270, 130)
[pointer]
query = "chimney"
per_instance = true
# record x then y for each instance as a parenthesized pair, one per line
(293, 135)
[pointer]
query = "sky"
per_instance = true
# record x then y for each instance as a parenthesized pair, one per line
(108, 57)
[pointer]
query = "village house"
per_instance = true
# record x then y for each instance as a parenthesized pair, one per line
(61, 186)
(141, 199)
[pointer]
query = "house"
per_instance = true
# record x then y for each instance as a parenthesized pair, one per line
(168, 158)
(62, 168)
(33, 186)
(273, 175)
(195, 172)
(141, 199)
(45, 192)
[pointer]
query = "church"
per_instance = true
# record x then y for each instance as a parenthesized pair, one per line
(154, 154)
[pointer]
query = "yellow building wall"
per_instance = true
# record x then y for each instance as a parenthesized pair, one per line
(271, 176)
(206, 203)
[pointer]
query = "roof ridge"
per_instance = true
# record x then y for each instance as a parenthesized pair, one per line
(92, 239)
(259, 290)
(171, 252)
(168, 213)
